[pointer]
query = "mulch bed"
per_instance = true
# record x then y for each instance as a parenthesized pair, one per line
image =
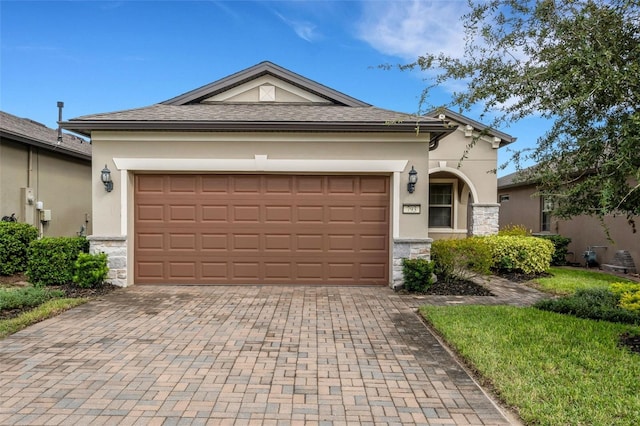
(457, 288)
(631, 342)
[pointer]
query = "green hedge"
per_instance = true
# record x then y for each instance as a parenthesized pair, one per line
(561, 245)
(461, 259)
(15, 238)
(592, 303)
(90, 270)
(417, 274)
(52, 260)
(529, 255)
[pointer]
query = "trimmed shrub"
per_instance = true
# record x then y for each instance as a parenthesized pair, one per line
(529, 255)
(561, 245)
(90, 270)
(417, 274)
(515, 231)
(15, 238)
(52, 260)
(26, 297)
(461, 259)
(592, 303)
(628, 295)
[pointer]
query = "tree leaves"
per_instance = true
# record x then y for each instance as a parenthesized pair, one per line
(576, 62)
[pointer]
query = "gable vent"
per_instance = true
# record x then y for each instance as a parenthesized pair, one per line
(267, 93)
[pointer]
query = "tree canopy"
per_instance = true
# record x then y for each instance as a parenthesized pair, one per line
(574, 62)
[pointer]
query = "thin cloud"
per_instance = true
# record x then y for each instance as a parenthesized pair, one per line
(303, 29)
(408, 29)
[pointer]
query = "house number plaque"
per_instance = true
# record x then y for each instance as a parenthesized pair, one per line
(411, 208)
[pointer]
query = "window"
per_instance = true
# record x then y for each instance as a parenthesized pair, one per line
(504, 197)
(441, 205)
(547, 208)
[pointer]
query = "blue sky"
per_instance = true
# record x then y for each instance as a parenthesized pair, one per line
(100, 56)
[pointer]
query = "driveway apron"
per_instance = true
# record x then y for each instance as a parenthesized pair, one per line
(237, 355)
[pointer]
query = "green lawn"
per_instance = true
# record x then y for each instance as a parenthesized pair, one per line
(554, 369)
(566, 280)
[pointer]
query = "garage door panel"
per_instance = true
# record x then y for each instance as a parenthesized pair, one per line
(185, 213)
(278, 214)
(246, 242)
(150, 270)
(246, 184)
(374, 243)
(182, 184)
(215, 242)
(310, 214)
(342, 185)
(249, 213)
(246, 271)
(369, 214)
(252, 229)
(373, 185)
(277, 271)
(342, 243)
(215, 213)
(150, 213)
(153, 241)
(278, 242)
(310, 243)
(150, 184)
(343, 214)
(310, 185)
(182, 242)
(180, 270)
(214, 270)
(215, 184)
(278, 185)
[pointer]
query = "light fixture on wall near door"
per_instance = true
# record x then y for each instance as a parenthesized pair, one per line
(413, 178)
(105, 176)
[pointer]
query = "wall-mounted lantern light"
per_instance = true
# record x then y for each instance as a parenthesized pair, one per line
(413, 178)
(105, 176)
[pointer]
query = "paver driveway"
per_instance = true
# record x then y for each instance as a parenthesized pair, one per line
(237, 355)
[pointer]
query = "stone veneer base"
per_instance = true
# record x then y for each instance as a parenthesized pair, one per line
(485, 220)
(408, 249)
(116, 250)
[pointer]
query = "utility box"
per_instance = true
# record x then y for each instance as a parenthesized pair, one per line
(46, 215)
(27, 198)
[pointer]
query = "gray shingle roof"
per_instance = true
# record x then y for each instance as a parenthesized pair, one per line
(254, 113)
(191, 112)
(256, 117)
(33, 133)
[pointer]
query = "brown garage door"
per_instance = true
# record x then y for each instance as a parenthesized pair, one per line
(260, 229)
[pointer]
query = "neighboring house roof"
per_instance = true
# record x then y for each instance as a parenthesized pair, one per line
(204, 110)
(33, 133)
(505, 139)
(513, 180)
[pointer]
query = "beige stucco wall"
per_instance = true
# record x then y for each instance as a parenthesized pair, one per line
(108, 216)
(521, 209)
(61, 182)
(475, 177)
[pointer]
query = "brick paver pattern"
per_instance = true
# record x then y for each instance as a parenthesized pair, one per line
(174, 355)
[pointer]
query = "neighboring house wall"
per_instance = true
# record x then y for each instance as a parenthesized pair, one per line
(526, 209)
(60, 181)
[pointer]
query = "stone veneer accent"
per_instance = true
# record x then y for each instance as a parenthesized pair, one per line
(116, 251)
(484, 219)
(408, 249)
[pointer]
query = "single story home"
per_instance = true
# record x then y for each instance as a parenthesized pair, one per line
(520, 205)
(45, 177)
(268, 177)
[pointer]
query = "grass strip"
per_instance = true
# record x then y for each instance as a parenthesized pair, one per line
(566, 281)
(46, 310)
(553, 369)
